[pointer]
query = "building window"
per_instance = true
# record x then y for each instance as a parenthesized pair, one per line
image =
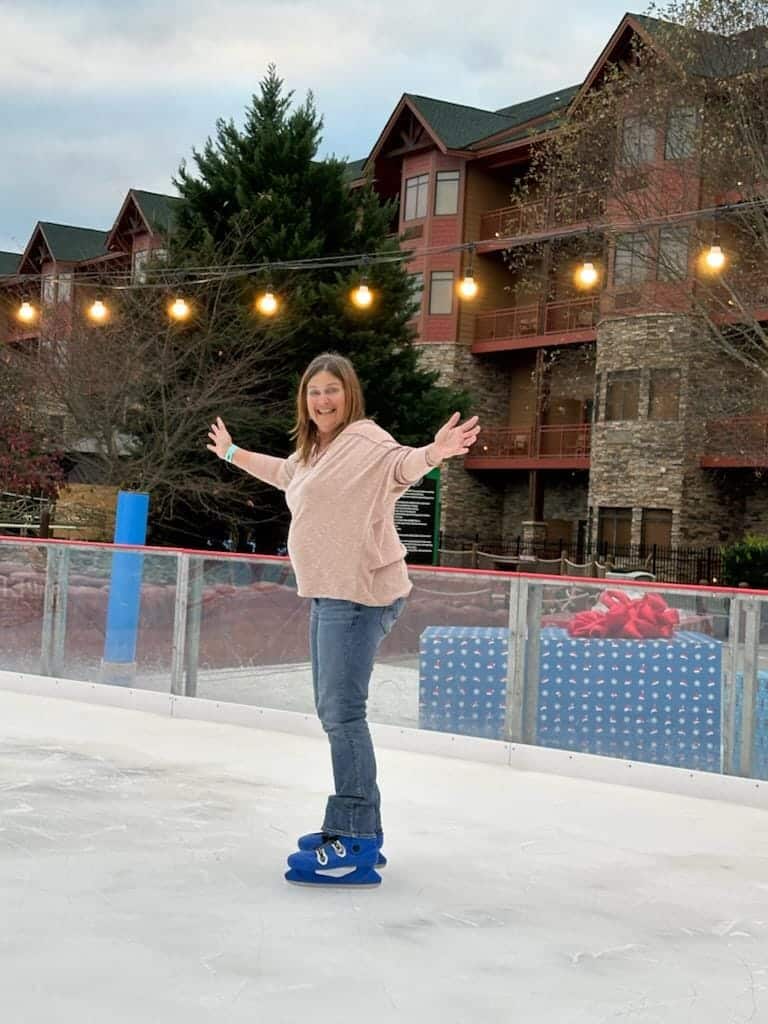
(638, 141)
(49, 289)
(674, 244)
(631, 260)
(416, 197)
(141, 260)
(441, 291)
(664, 397)
(682, 126)
(622, 398)
(656, 527)
(417, 291)
(447, 192)
(614, 527)
(65, 288)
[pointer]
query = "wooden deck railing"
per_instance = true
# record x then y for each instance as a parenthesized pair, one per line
(528, 218)
(513, 322)
(572, 315)
(538, 319)
(560, 441)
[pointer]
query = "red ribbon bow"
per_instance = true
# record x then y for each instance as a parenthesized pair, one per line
(624, 616)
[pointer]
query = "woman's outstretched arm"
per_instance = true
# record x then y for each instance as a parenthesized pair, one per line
(267, 468)
(453, 438)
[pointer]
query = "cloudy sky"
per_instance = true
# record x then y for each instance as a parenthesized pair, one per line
(99, 97)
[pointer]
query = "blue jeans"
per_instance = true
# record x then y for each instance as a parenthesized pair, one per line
(343, 639)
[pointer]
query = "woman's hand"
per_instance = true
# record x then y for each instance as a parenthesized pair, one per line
(455, 438)
(221, 438)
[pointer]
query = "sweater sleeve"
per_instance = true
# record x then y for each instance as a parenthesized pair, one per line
(402, 464)
(267, 468)
(410, 465)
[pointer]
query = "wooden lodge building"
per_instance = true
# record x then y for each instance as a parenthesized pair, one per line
(605, 415)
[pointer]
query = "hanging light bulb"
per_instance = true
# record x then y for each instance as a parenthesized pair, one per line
(98, 311)
(267, 304)
(362, 296)
(26, 312)
(587, 275)
(468, 285)
(715, 257)
(179, 309)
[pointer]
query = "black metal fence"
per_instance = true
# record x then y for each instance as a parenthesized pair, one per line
(666, 564)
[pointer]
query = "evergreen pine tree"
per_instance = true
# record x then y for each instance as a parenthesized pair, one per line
(259, 194)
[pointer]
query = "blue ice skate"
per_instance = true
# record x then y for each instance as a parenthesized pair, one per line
(312, 840)
(343, 860)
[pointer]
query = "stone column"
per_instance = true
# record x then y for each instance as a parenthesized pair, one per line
(534, 532)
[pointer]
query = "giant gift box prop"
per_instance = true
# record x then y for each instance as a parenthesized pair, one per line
(463, 680)
(654, 699)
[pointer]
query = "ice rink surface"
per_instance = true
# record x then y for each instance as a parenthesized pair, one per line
(141, 881)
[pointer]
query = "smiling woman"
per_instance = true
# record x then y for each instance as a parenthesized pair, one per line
(329, 399)
(341, 485)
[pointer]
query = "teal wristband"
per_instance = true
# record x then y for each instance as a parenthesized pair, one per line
(229, 454)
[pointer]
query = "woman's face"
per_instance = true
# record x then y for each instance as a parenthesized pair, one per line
(326, 402)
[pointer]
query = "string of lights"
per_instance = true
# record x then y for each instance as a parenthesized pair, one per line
(268, 303)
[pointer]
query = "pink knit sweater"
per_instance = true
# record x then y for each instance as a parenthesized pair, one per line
(342, 541)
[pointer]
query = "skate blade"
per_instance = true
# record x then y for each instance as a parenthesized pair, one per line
(359, 878)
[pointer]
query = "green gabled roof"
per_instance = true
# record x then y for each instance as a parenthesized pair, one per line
(553, 104)
(9, 263)
(354, 169)
(457, 125)
(530, 110)
(709, 54)
(69, 244)
(157, 209)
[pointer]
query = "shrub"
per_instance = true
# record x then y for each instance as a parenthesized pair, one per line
(746, 561)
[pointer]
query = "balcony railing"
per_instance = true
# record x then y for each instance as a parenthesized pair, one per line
(571, 315)
(528, 218)
(740, 442)
(15, 334)
(745, 296)
(531, 442)
(538, 319)
(514, 322)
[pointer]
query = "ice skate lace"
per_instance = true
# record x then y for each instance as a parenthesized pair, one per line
(338, 847)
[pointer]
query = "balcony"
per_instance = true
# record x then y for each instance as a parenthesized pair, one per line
(18, 335)
(528, 218)
(568, 322)
(737, 443)
(556, 446)
(747, 299)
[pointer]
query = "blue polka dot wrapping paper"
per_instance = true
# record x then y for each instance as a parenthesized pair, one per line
(658, 701)
(463, 680)
(653, 700)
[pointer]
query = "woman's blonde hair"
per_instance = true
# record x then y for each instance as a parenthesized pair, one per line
(305, 431)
